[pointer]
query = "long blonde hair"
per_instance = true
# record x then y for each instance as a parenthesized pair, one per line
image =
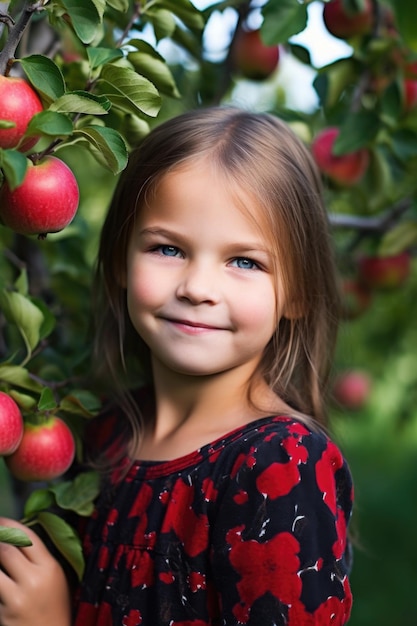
(259, 153)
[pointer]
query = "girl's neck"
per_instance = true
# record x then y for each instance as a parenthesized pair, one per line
(193, 411)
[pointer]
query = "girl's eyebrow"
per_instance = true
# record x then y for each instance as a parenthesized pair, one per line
(234, 247)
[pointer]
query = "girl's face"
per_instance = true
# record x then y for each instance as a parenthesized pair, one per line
(201, 289)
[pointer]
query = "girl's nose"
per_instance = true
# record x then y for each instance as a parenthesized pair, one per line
(198, 284)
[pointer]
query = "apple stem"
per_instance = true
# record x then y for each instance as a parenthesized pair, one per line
(16, 33)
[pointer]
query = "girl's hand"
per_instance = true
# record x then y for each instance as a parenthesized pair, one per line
(33, 586)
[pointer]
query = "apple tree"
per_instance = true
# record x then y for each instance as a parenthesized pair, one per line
(92, 77)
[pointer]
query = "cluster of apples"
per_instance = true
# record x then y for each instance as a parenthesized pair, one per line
(34, 451)
(345, 25)
(48, 197)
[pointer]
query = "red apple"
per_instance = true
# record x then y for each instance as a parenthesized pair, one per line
(251, 57)
(11, 425)
(378, 272)
(45, 202)
(346, 169)
(18, 104)
(356, 298)
(351, 389)
(46, 451)
(343, 24)
(410, 94)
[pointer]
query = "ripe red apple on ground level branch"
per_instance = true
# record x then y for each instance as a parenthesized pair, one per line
(45, 202)
(18, 104)
(11, 425)
(45, 452)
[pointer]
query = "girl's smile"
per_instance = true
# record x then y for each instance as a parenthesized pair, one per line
(201, 290)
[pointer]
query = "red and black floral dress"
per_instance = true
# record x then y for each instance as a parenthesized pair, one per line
(250, 529)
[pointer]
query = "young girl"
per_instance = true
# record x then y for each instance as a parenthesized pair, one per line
(225, 503)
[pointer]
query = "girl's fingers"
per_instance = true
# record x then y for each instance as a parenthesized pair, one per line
(34, 553)
(7, 587)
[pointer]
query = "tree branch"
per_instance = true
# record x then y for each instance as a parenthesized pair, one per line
(15, 34)
(378, 224)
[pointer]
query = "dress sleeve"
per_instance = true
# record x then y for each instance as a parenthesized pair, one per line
(279, 545)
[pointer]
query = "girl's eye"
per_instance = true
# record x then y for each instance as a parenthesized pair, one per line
(244, 263)
(168, 250)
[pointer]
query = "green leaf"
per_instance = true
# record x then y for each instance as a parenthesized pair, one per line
(80, 402)
(357, 131)
(85, 18)
(332, 80)
(301, 53)
(47, 400)
(150, 64)
(64, 537)
(128, 91)
(15, 536)
(402, 236)
(19, 310)
(81, 102)
(21, 283)
(50, 123)
(45, 76)
(109, 144)
(119, 5)
(404, 144)
(185, 10)
(282, 20)
(49, 321)
(37, 501)
(78, 495)
(14, 165)
(406, 19)
(19, 376)
(163, 22)
(24, 401)
(100, 56)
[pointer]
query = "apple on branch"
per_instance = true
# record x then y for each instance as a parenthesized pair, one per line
(345, 169)
(384, 272)
(46, 450)
(352, 388)
(18, 104)
(345, 24)
(45, 202)
(252, 57)
(11, 425)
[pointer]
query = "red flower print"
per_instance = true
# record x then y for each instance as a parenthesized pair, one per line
(269, 566)
(339, 545)
(133, 619)
(197, 581)
(278, 479)
(180, 518)
(210, 492)
(331, 460)
(241, 497)
(166, 577)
